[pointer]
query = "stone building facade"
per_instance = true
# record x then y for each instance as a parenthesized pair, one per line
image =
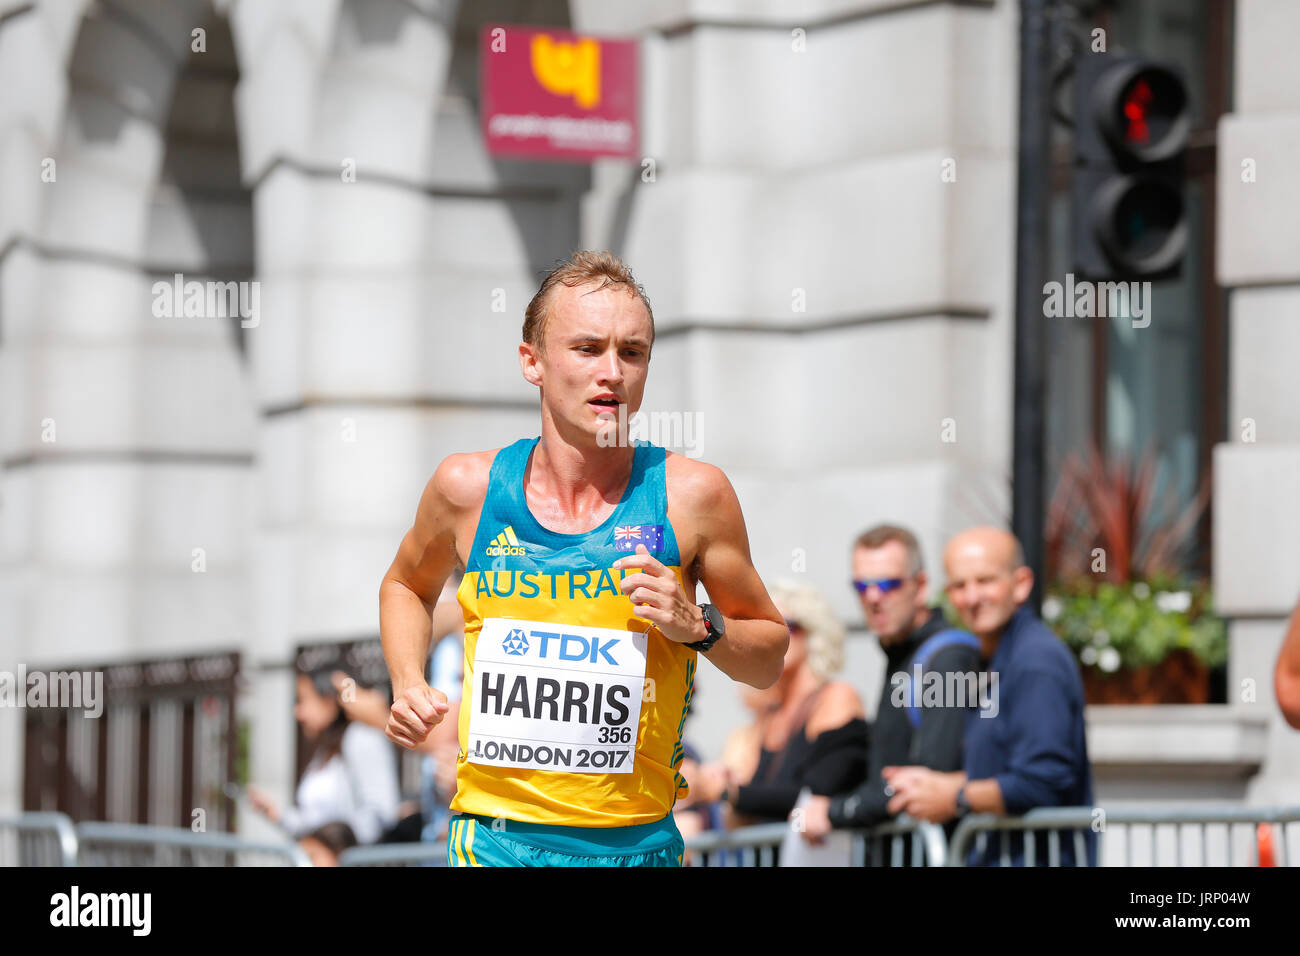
(825, 227)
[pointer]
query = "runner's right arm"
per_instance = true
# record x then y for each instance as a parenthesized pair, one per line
(408, 595)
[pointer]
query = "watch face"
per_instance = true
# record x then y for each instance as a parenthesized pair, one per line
(714, 618)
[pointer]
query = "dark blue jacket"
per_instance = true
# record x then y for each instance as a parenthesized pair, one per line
(1035, 746)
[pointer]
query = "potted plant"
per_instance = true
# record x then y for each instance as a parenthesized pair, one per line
(1142, 630)
(1138, 643)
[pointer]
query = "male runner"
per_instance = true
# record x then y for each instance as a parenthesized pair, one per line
(581, 556)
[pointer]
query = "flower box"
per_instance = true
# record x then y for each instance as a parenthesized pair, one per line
(1140, 643)
(1181, 678)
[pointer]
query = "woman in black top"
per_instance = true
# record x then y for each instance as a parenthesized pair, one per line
(809, 731)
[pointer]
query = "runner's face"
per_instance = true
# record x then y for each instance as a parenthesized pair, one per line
(595, 357)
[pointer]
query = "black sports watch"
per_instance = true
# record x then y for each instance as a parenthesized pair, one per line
(714, 625)
(963, 804)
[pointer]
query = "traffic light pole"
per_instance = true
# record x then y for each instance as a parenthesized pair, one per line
(1032, 197)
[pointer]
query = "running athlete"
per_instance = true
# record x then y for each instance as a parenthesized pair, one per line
(581, 554)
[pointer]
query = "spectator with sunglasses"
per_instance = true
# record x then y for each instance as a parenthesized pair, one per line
(894, 591)
(809, 731)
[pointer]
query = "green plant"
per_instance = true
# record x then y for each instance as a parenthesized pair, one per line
(243, 751)
(1105, 521)
(1136, 624)
(1115, 551)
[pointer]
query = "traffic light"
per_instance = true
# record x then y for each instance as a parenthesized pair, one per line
(1132, 120)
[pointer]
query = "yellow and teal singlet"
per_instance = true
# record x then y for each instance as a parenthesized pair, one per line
(572, 707)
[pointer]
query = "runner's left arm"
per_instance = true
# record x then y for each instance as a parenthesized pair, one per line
(753, 650)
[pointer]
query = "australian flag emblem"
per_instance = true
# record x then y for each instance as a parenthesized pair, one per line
(627, 537)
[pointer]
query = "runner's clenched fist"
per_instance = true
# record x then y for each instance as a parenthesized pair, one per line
(415, 712)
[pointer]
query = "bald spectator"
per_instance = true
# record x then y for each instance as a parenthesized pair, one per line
(1030, 750)
(1286, 680)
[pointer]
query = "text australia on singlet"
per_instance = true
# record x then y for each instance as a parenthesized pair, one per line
(550, 696)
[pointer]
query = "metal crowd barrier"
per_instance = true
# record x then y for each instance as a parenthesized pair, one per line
(37, 839)
(129, 844)
(928, 844)
(1242, 836)
(746, 846)
(909, 843)
(1238, 836)
(396, 854)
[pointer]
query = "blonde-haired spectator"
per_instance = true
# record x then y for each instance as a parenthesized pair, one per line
(808, 730)
(825, 634)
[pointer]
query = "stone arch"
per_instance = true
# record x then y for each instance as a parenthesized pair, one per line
(150, 448)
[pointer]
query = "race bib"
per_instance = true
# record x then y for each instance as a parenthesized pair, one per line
(556, 696)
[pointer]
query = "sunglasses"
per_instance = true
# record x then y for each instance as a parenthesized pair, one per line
(885, 584)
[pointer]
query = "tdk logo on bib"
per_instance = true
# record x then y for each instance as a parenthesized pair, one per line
(574, 647)
(515, 643)
(556, 646)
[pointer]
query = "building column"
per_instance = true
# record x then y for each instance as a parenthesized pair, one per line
(827, 210)
(127, 434)
(1257, 469)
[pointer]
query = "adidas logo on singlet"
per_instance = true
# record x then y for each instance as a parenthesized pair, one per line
(505, 543)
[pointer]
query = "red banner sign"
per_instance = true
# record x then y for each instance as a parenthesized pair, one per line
(550, 94)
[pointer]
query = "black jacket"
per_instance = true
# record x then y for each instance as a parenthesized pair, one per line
(831, 763)
(936, 744)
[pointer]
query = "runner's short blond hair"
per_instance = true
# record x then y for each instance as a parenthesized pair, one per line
(582, 267)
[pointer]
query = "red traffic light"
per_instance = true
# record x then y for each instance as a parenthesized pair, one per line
(1142, 110)
(1137, 103)
(1128, 213)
